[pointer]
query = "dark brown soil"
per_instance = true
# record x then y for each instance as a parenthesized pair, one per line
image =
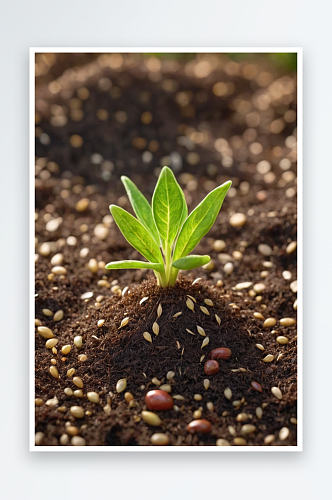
(114, 353)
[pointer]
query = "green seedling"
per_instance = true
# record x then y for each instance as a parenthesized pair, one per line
(164, 233)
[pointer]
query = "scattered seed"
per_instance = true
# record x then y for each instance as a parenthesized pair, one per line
(54, 372)
(287, 275)
(211, 367)
(259, 412)
(39, 436)
(259, 346)
(202, 426)
(228, 268)
(208, 302)
(293, 421)
(47, 312)
(82, 358)
(71, 372)
(121, 385)
(78, 441)
(93, 397)
(51, 343)
(217, 318)
(177, 314)
(268, 358)
(77, 411)
(178, 344)
(159, 439)
(178, 397)
(231, 430)
(259, 287)
(190, 304)
(248, 429)
(276, 392)
(124, 322)
(59, 270)
(39, 402)
(78, 393)
(269, 439)
(269, 322)
(107, 409)
(205, 342)
(86, 295)
(159, 311)
(143, 300)
(170, 375)
(291, 247)
(93, 266)
(45, 332)
(147, 336)
(38, 322)
(265, 250)
(100, 323)
(52, 402)
(64, 439)
(78, 341)
(155, 381)
(241, 417)
(78, 382)
(151, 418)
(201, 358)
(206, 383)
(198, 397)
(238, 441)
(66, 349)
(72, 430)
(201, 331)
(58, 315)
(204, 310)
(192, 298)
(293, 287)
(287, 322)
(68, 391)
(282, 340)
(222, 442)
(197, 414)
(258, 315)
(283, 433)
(155, 328)
(256, 386)
(221, 353)
(243, 286)
(189, 331)
(238, 220)
(228, 393)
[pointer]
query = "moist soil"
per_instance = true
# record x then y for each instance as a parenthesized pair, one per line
(65, 175)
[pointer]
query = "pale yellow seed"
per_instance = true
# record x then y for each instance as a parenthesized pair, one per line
(70, 372)
(190, 305)
(231, 430)
(287, 322)
(209, 405)
(93, 397)
(291, 247)
(269, 439)
(259, 412)
(100, 323)
(241, 417)
(268, 358)
(259, 346)
(178, 397)
(228, 393)
(205, 342)
(155, 328)
(192, 298)
(59, 270)
(248, 429)
(147, 336)
(54, 372)
(78, 382)
(276, 392)
(178, 345)
(77, 411)
(151, 418)
(39, 436)
(68, 391)
(208, 302)
(222, 442)
(170, 375)
(38, 322)
(93, 266)
(104, 284)
(282, 340)
(197, 414)
(64, 439)
(54, 350)
(52, 402)
(72, 430)
(258, 315)
(78, 341)
(51, 343)
(283, 433)
(143, 300)
(269, 322)
(128, 397)
(293, 421)
(206, 383)
(159, 439)
(159, 311)
(177, 314)
(189, 331)
(259, 287)
(47, 312)
(78, 393)
(238, 441)
(201, 331)
(204, 310)
(45, 332)
(217, 318)
(66, 349)
(198, 397)
(121, 385)
(82, 358)
(124, 322)
(201, 358)
(58, 315)
(107, 409)
(236, 403)
(155, 381)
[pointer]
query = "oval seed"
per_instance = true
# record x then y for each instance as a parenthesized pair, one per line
(64, 439)
(51, 343)
(93, 266)
(158, 400)
(268, 358)
(248, 429)
(260, 347)
(78, 341)
(66, 349)
(47, 312)
(78, 393)
(238, 220)
(238, 441)
(228, 393)
(77, 411)
(198, 397)
(159, 311)
(204, 310)
(100, 323)
(52, 402)
(205, 342)
(259, 287)
(70, 372)
(282, 340)
(291, 247)
(151, 418)
(283, 433)
(287, 322)
(59, 270)
(206, 383)
(259, 412)
(177, 314)
(170, 375)
(155, 328)
(45, 332)
(159, 439)
(39, 436)
(222, 442)
(208, 302)
(241, 417)
(269, 322)
(197, 414)
(78, 382)
(147, 336)
(256, 386)
(201, 331)
(190, 304)
(201, 425)
(38, 322)
(258, 315)
(54, 372)
(221, 353)
(93, 397)
(128, 397)
(124, 322)
(166, 388)
(39, 402)
(121, 385)
(58, 315)
(68, 391)
(86, 295)
(72, 430)
(211, 367)
(217, 319)
(78, 441)
(276, 392)
(57, 259)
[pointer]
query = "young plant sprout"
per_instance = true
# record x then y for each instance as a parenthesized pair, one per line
(165, 234)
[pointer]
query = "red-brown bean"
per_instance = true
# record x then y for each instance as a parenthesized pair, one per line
(221, 353)
(158, 400)
(211, 367)
(202, 425)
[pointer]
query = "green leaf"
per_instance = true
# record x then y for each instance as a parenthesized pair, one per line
(168, 206)
(141, 207)
(191, 262)
(200, 221)
(134, 264)
(136, 234)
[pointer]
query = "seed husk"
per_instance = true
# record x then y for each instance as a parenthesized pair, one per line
(283, 433)
(228, 393)
(151, 418)
(190, 305)
(204, 310)
(276, 392)
(259, 412)
(222, 442)
(70, 372)
(248, 429)
(189, 331)
(121, 385)
(47, 312)
(93, 397)
(159, 311)
(238, 441)
(206, 383)
(147, 336)
(54, 372)
(66, 349)
(100, 323)
(217, 318)
(287, 322)
(269, 322)
(192, 298)
(208, 302)
(45, 332)
(282, 340)
(78, 341)
(268, 358)
(205, 342)
(155, 328)
(159, 439)
(51, 343)
(201, 331)
(124, 322)
(170, 375)
(58, 315)
(143, 300)
(177, 314)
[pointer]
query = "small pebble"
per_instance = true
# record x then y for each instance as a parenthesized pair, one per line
(219, 245)
(201, 425)
(159, 439)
